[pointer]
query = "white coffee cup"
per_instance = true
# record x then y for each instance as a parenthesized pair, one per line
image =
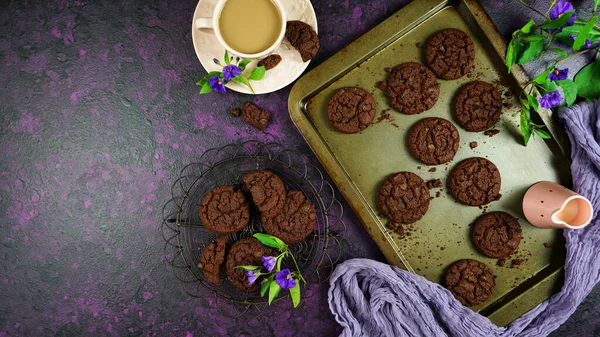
(213, 23)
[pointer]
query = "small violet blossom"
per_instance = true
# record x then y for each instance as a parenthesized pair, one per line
(558, 74)
(587, 45)
(252, 276)
(561, 8)
(230, 72)
(284, 279)
(550, 100)
(217, 85)
(269, 262)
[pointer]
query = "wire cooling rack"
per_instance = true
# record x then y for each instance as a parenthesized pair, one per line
(186, 237)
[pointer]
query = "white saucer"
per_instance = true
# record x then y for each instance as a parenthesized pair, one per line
(289, 69)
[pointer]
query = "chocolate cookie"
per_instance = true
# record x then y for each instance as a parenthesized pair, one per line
(224, 210)
(351, 110)
(496, 234)
(268, 191)
(433, 141)
(478, 106)
(471, 282)
(475, 182)
(411, 88)
(404, 198)
(246, 252)
(255, 116)
(212, 258)
(295, 222)
(302, 37)
(270, 61)
(450, 53)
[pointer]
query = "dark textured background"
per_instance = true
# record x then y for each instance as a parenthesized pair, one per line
(99, 112)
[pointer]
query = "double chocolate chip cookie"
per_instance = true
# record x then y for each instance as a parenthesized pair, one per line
(404, 198)
(433, 141)
(351, 110)
(212, 258)
(450, 53)
(246, 252)
(411, 88)
(478, 106)
(268, 191)
(303, 38)
(224, 210)
(496, 234)
(471, 282)
(296, 220)
(475, 182)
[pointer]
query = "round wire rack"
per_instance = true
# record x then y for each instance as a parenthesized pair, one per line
(186, 237)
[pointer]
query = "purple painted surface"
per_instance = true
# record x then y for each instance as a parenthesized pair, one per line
(99, 113)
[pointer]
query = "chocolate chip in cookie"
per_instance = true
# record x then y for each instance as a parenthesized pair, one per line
(255, 116)
(212, 259)
(411, 88)
(270, 61)
(268, 191)
(351, 110)
(404, 198)
(224, 210)
(303, 38)
(296, 220)
(450, 53)
(471, 282)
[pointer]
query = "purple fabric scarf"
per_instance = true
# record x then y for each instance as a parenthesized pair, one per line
(369, 298)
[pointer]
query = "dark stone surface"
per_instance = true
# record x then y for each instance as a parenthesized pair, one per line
(99, 113)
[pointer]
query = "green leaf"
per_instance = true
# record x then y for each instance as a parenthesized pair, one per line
(205, 88)
(569, 90)
(543, 77)
(244, 64)
(560, 52)
(513, 52)
(265, 286)
(542, 134)
(584, 34)
(525, 128)
(596, 3)
(274, 289)
(533, 102)
(559, 22)
(295, 294)
(532, 51)
(247, 267)
(270, 240)
(241, 79)
(257, 73)
(527, 28)
(533, 38)
(565, 35)
(226, 57)
(279, 259)
(547, 86)
(208, 76)
(588, 81)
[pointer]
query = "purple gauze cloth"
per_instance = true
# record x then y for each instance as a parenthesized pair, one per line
(369, 298)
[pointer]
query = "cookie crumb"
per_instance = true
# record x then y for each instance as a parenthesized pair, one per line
(419, 45)
(473, 145)
(547, 244)
(438, 194)
(388, 70)
(507, 105)
(433, 169)
(236, 112)
(434, 183)
(492, 132)
(255, 116)
(270, 61)
(501, 262)
(516, 262)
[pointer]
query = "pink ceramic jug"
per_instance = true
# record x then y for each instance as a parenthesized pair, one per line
(550, 205)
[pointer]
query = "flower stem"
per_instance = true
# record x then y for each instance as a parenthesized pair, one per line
(534, 9)
(298, 268)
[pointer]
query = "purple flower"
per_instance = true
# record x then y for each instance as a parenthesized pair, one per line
(269, 262)
(558, 74)
(550, 100)
(587, 45)
(252, 276)
(284, 279)
(230, 72)
(217, 85)
(561, 8)
(216, 61)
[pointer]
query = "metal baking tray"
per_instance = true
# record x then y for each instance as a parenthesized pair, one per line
(358, 163)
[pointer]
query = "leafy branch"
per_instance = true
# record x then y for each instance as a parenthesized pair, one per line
(217, 80)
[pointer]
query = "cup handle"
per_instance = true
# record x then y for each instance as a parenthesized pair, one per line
(203, 23)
